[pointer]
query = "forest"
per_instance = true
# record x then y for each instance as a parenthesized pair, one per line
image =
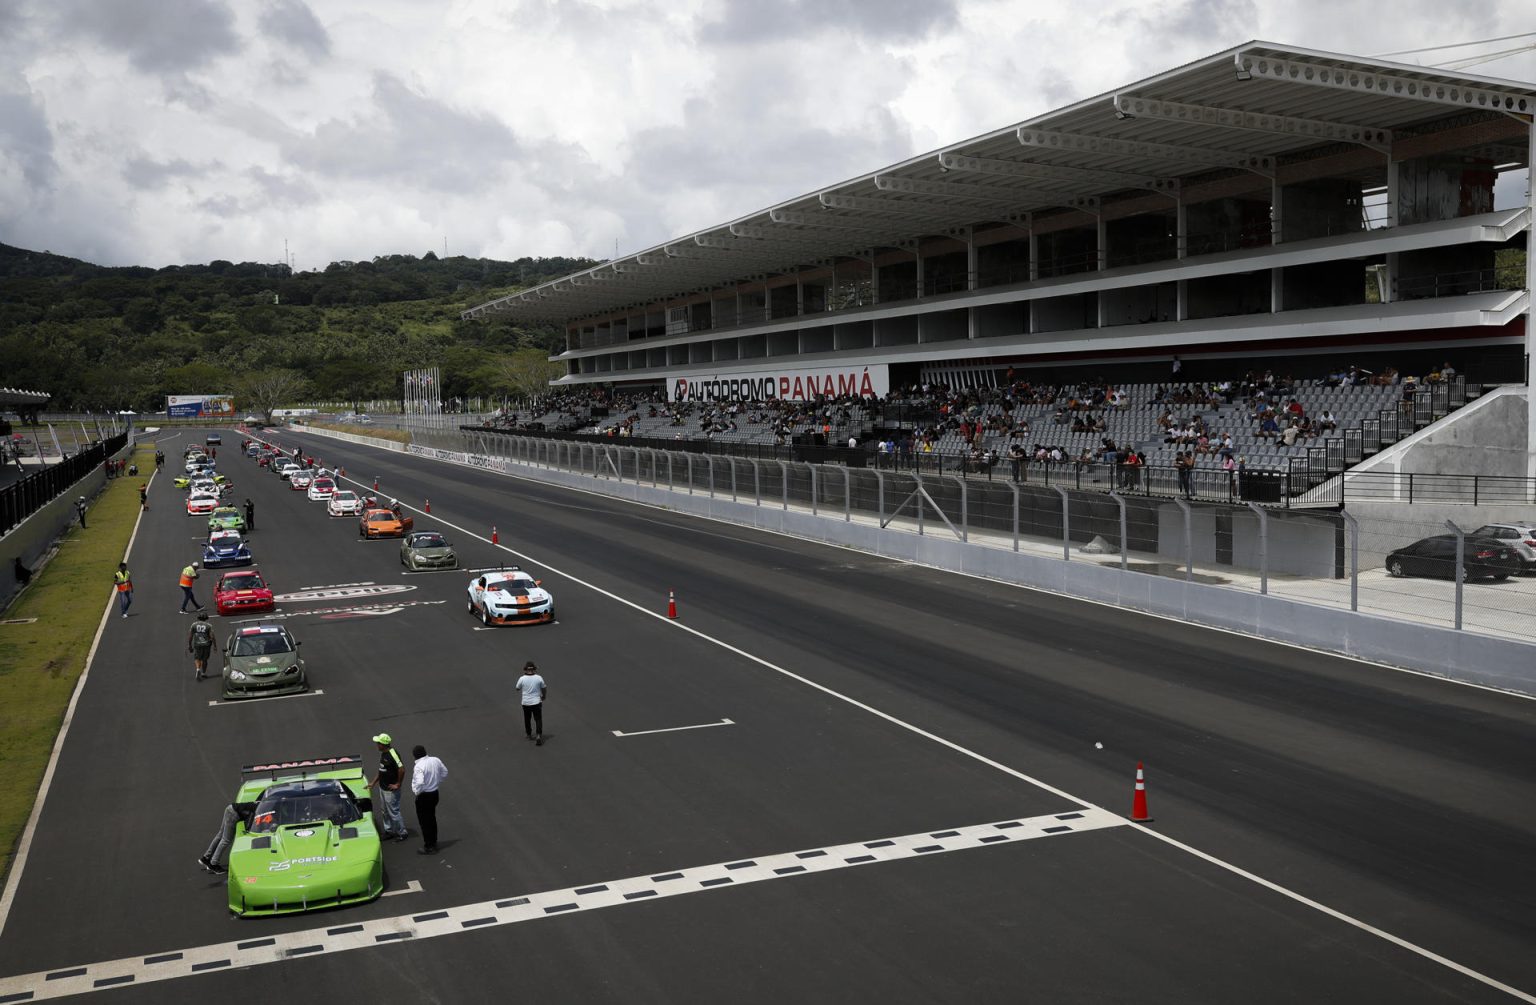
(100, 338)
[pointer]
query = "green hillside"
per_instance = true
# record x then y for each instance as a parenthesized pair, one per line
(105, 338)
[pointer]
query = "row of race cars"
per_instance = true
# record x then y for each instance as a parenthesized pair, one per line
(303, 835)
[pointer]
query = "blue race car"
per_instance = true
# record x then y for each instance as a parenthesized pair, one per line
(226, 548)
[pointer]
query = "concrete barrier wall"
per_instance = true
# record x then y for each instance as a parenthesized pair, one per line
(1479, 659)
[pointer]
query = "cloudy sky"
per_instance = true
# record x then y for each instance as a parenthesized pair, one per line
(158, 132)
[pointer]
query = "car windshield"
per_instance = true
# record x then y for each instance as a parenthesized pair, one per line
(518, 585)
(381, 516)
(247, 581)
(225, 539)
(347, 495)
(262, 644)
(428, 541)
(324, 483)
(303, 803)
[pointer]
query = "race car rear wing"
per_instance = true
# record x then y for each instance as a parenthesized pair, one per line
(303, 768)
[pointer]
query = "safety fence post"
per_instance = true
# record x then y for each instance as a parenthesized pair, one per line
(1354, 558)
(965, 532)
(1461, 566)
(1189, 539)
(784, 482)
(711, 459)
(757, 483)
(847, 494)
(880, 496)
(1014, 486)
(733, 479)
(812, 469)
(1125, 544)
(689, 458)
(671, 485)
(1066, 524)
(1263, 516)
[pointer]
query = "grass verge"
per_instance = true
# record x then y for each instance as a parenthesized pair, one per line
(40, 662)
(378, 433)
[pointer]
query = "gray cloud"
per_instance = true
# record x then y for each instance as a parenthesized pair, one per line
(752, 22)
(409, 137)
(158, 36)
(26, 139)
(283, 190)
(144, 173)
(292, 23)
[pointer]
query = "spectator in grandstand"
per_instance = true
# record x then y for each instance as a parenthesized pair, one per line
(1295, 409)
(1289, 434)
(1410, 390)
(1447, 371)
(1268, 427)
(1016, 460)
(1183, 464)
(1326, 422)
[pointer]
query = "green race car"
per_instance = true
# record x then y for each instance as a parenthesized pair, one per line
(305, 838)
(427, 549)
(262, 660)
(226, 518)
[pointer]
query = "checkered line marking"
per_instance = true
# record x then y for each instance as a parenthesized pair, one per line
(250, 952)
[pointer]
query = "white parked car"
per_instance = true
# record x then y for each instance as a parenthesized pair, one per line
(300, 479)
(285, 469)
(201, 504)
(510, 597)
(344, 502)
(321, 488)
(1520, 538)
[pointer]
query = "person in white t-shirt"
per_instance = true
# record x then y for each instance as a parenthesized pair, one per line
(532, 687)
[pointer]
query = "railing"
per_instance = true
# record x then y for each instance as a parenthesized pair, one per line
(1447, 284)
(1410, 487)
(21, 499)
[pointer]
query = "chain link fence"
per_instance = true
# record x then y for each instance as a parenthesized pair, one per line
(1320, 556)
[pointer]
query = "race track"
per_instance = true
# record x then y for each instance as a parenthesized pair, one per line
(834, 778)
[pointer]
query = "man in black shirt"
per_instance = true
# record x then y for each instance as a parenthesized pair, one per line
(387, 781)
(200, 643)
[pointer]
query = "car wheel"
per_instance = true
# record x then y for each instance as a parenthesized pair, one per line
(1395, 568)
(469, 605)
(1499, 577)
(485, 616)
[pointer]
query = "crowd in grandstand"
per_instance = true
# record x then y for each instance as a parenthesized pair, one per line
(976, 429)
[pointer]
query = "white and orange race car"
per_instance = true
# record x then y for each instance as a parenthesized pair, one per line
(510, 597)
(201, 504)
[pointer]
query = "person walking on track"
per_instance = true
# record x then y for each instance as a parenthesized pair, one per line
(188, 577)
(388, 780)
(200, 642)
(427, 775)
(143, 495)
(250, 515)
(531, 685)
(122, 579)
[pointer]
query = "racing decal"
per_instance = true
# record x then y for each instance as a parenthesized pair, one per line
(313, 762)
(312, 860)
(305, 833)
(343, 592)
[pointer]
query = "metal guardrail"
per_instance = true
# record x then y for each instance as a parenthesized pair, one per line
(21, 499)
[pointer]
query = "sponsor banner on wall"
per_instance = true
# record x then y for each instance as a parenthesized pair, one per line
(200, 406)
(872, 381)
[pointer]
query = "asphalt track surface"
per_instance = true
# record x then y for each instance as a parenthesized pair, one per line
(1325, 830)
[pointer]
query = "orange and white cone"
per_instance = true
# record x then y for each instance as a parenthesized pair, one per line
(428, 507)
(375, 483)
(495, 538)
(672, 604)
(1139, 800)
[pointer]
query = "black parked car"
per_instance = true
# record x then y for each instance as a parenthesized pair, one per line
(1483, 558)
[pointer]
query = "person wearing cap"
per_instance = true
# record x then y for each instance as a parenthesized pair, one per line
(188, 577)
(387, 780)
(122, 581)
(80, 511)
(531, 685)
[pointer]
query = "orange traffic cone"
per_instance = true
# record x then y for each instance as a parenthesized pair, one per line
(428, 507)
(1139, 801)
(672, 604)
(495, 538)
(375, 483)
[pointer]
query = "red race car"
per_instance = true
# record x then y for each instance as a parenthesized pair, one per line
(242, 592)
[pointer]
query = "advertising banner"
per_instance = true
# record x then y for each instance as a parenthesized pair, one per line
(784, 385)
(200, 406)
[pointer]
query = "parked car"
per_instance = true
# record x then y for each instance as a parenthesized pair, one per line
(1520, 538)
(1482, 557)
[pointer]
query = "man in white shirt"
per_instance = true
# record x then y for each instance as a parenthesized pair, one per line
(532, 687)
(427, 774)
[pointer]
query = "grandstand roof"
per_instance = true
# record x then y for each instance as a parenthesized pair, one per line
(1245, 110)
(15, 396)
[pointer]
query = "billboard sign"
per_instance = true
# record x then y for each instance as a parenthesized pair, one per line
(872, 381)
(200, 406)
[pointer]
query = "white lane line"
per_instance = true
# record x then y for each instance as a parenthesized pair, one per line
(340, 937)
(414, 886)
(426, 572)
(675, 729)
(23, 847)
(1021, 776)
(220, 702)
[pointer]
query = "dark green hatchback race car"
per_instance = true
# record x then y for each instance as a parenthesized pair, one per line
(262, 660)
(305, 839)
(427, 549)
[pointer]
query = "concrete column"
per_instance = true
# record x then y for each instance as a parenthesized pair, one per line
(799, 293)
(1181, 229)
(1530, 321)
(918, 261)
(1390, 292)
(874, 279)
(1034, 255)
(1181, 308)
(972, 264)
(1276, 211)
(1276, 290)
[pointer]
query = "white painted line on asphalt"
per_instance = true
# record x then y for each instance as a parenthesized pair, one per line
(675, 729)
(24, 846)
(341, 936)
(219, 702)
(427, 572)
(1021, 776)
(414, 886)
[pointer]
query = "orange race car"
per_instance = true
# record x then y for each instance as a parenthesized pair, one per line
(383, 523)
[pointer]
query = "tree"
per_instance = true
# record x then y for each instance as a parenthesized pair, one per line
(266, 390)
(527, 372)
